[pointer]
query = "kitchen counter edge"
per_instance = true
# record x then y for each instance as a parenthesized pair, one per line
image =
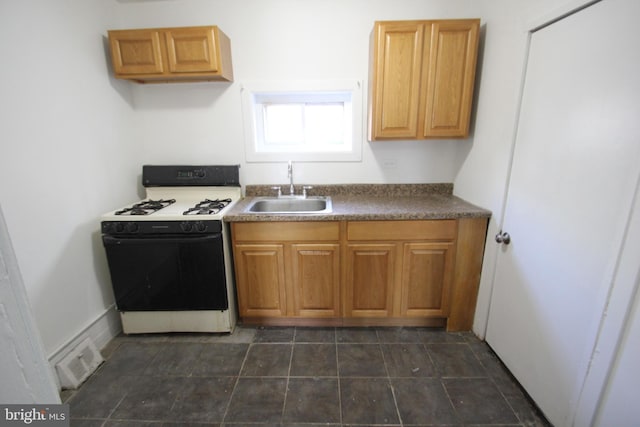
(383, 202)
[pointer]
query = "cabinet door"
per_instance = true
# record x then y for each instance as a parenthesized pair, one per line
(260, 280)
(398, 53)
(191, 50)
(316, 280)
(449, 74)
(370, 280)
(427, 273)
(136, 52)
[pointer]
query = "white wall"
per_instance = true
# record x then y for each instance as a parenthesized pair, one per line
(69, 126)
(74, 138)
(66, 155)
(281, 40)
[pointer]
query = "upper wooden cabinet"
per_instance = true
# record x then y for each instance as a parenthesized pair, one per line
(422, 77)
(171, 54)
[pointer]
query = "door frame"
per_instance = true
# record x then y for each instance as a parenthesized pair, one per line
(34, 381)
(614, 320)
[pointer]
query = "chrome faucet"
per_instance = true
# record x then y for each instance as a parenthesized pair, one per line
(290, 176)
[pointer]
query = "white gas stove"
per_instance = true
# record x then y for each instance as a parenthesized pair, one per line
(169, 255)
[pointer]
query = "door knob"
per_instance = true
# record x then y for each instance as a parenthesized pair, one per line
(503, 237)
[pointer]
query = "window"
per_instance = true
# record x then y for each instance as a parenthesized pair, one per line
(303, 121)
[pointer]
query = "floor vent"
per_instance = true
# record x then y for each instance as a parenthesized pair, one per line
(76, 366)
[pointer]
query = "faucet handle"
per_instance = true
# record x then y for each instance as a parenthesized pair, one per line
(304, 190)
(278, 189)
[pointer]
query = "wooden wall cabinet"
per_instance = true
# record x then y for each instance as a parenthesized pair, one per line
(421, 78)
(171, 54)
(394, 273)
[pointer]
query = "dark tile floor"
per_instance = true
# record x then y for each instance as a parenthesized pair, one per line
(302, 377)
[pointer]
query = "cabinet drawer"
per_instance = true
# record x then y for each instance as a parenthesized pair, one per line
(285, 231)
(402, 230)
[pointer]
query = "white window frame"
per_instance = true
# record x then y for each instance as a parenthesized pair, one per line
(256, 94)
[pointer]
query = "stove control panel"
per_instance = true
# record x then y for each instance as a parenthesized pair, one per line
(194, 226)
(140, 228)
(192, 176)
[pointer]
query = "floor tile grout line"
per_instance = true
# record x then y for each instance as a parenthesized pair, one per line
(115, 407)
(451, 403)
(507, 401)
(489, 373)
(235, 385)
(487, 376)
(440, 379)
(390, 383)
(335, 346)
(495, 383)
(286, 386)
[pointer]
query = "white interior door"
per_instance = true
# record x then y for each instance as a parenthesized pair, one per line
(575, 168)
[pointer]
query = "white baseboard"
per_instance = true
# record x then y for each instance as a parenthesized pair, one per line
(101, 331)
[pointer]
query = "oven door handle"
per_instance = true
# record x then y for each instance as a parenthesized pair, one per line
(113, 240)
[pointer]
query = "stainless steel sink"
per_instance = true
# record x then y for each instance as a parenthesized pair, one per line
(290, 205)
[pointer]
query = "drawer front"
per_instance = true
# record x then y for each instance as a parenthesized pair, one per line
(402, 230)
(285, 231)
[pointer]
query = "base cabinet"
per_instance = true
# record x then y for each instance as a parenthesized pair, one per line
(315, 270)
(370, 281)
(261, 279)
(396, 273)
(427, 274)
(399, 269)
(287, 270)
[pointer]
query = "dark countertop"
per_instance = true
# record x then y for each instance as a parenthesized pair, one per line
(369, 202)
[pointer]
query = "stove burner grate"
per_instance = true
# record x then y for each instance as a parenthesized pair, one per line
(146, 207)
(207, 207)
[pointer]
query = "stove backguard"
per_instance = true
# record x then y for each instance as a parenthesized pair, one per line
(190, 176)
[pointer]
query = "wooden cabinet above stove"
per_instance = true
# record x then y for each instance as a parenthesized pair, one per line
(160, 55)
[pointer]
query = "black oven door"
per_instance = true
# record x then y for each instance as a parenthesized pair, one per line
(167, 272)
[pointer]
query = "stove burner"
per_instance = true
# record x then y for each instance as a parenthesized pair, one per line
(207, 207)
(146, 207)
